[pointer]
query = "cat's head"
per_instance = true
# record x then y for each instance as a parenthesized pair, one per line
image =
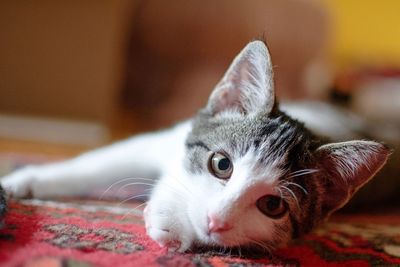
(260, 176)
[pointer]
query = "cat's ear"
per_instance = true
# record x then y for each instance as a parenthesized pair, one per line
(247, 85)
(347, 166)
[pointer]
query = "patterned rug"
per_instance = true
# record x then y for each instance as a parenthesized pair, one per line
(94, 233)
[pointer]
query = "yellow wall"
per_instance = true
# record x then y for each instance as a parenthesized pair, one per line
(365, 31)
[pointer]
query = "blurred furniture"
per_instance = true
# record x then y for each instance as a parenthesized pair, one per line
(160, 60)
(179, 50)
(60, 57)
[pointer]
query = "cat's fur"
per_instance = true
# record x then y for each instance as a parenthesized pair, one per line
(3, 205)
(272, 155)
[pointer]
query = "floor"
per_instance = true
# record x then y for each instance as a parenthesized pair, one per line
(123, 126)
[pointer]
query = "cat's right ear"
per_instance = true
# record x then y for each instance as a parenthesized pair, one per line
(346, 167)
(247, 86)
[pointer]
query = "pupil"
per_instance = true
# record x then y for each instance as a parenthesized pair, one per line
(273, 203)
(224, 164)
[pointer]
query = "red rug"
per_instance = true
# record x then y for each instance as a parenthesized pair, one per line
(38, 233)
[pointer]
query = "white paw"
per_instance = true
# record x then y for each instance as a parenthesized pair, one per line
(167, 230)
(169, 239)
(19, 184)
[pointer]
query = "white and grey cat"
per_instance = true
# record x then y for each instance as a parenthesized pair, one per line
(239, 173)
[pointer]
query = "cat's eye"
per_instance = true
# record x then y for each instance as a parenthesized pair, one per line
(272, 206)
(220, 166)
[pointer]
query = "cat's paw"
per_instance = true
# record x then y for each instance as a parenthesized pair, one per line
(166, 230)
(19, 184)
(167, 238)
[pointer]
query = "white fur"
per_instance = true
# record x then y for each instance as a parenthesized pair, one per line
(142, 156)
(176, 214)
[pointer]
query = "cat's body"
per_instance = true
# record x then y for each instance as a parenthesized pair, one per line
(239, 173)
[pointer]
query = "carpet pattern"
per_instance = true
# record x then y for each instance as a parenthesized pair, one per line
(44, 235)
(81, 233)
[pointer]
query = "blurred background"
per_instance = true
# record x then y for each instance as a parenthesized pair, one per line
(79, 74)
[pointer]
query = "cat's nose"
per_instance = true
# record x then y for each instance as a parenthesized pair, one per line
(215, 225)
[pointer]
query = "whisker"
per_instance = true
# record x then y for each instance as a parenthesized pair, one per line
(299, 186)
(133, 197)
(130, 184)
(139, 206)
(132, 210)
(280, 192)
(121, 181)
(164, 185)
(292, 193)
(304, 172)
(260, 244)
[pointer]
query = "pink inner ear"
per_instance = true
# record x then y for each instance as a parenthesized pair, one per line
(348, 166)
(229, 98)
(247, 85)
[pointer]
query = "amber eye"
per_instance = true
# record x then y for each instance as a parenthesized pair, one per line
(272, 206)
(220, 166)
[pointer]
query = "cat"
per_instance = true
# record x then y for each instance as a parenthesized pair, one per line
(239, 173)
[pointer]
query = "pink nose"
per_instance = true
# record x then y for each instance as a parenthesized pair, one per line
(215, 225)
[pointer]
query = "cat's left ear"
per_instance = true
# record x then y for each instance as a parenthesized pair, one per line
(247, 85)
(346, 167)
